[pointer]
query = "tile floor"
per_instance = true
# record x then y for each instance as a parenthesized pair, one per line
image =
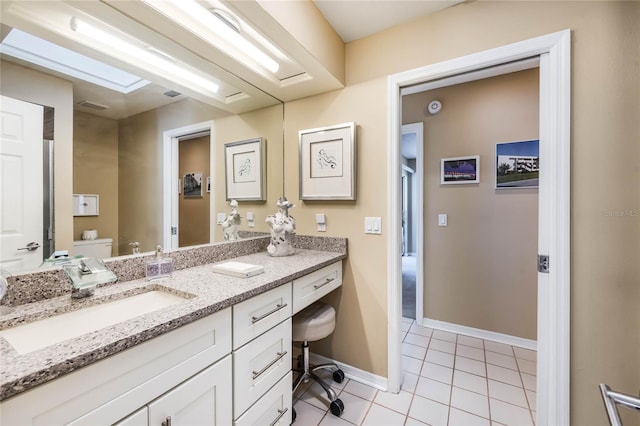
(449, 379)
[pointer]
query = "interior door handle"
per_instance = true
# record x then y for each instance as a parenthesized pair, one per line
(32, 246)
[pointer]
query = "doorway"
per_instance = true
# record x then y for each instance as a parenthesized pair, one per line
(553, 52)
(173, 182)
(411, 148)
(194, 198)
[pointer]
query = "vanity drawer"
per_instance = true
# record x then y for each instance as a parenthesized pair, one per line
(312, 287)
(259, 365)
(274, 408)
(254, 316)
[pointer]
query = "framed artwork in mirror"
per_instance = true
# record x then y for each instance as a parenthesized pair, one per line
(244, 170)
(192, 185)
(328, 163)
(460, 170)
(518, 164)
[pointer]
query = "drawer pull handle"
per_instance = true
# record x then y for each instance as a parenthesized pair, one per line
(167, 421)
(273, 311)
(279, 356)
(280, 414)
(327, 281)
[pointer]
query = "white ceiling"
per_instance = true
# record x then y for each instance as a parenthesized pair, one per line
(354, 19)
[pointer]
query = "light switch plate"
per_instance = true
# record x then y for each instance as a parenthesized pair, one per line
(373, 225)
(442, 220)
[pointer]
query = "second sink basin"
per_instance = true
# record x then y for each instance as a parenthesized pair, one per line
(49, 331)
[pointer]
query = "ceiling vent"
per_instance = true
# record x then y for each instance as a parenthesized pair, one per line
(172, 93)
(92, 105)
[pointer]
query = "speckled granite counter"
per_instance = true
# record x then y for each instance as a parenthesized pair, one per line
(205, 291)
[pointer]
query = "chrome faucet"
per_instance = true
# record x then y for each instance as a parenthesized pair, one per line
(86, 275)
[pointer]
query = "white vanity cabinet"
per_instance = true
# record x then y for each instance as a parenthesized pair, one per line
(158, 375)
(232, 367)
(202, 399)
(262, 358)
(313, 286)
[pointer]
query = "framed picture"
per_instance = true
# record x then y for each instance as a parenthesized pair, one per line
(328, 163)
(244, 170)
(460, 170)
(192, 185)
(517, 164)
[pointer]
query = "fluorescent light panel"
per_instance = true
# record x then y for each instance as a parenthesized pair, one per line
(152, 57)
(183, 11)
(35, 50)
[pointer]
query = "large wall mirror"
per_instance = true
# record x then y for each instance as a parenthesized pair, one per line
(130, 144)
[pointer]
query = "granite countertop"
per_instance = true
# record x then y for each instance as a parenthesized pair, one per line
(205, 291)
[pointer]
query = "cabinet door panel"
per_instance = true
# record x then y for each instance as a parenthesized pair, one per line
(254, 316)
(139, 418)
(259, 365)
(204, 399)
(274, 408)
(312, 287)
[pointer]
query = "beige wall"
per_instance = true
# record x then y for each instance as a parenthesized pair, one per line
(193, 214)
(95, 171)
(140, 173)
(479, 270)
(265, 123)
(140, 162)
(32, 86)
(605, 200)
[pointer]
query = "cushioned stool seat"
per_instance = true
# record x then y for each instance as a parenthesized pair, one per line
(313, 323)
(316, 322)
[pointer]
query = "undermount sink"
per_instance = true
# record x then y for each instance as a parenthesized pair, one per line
(55, 329)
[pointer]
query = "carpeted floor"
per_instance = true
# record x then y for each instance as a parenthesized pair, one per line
(409, 287)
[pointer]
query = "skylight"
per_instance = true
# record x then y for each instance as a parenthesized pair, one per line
(27, 47)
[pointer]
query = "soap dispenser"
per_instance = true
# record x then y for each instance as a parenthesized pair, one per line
(159, 267)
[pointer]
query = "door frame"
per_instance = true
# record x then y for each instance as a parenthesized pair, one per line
(553, 351)
(418, 211)
(170, 178)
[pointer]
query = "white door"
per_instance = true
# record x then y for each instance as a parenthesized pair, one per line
(20, 185)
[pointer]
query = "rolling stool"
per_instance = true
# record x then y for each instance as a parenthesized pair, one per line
(316, 322)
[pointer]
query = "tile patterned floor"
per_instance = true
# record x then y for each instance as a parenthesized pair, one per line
(449, 379)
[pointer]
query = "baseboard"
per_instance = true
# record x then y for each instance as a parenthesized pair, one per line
(354, 373)
(480, 334)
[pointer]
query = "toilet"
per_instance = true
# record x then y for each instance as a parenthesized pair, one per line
(100, 248)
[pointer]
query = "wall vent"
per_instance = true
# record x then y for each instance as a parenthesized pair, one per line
(92, 105)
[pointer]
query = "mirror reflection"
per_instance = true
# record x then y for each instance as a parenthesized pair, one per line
(129, 171)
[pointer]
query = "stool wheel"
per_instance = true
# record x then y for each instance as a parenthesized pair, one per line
(338, 376)
(293, 415)
(337, 407)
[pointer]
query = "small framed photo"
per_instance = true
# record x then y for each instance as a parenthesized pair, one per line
(192, 185)
(328, 163)
(244, 170)
(460, 170)
(518, 164)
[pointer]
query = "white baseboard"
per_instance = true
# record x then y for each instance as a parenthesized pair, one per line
(481, 334)
(354, 373)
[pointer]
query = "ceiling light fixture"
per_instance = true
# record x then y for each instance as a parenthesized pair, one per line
(216, 25)
(157, 60)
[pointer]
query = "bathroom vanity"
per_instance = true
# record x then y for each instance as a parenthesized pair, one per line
(220, 355)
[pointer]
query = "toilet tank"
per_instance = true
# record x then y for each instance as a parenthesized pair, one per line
(100, 248)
